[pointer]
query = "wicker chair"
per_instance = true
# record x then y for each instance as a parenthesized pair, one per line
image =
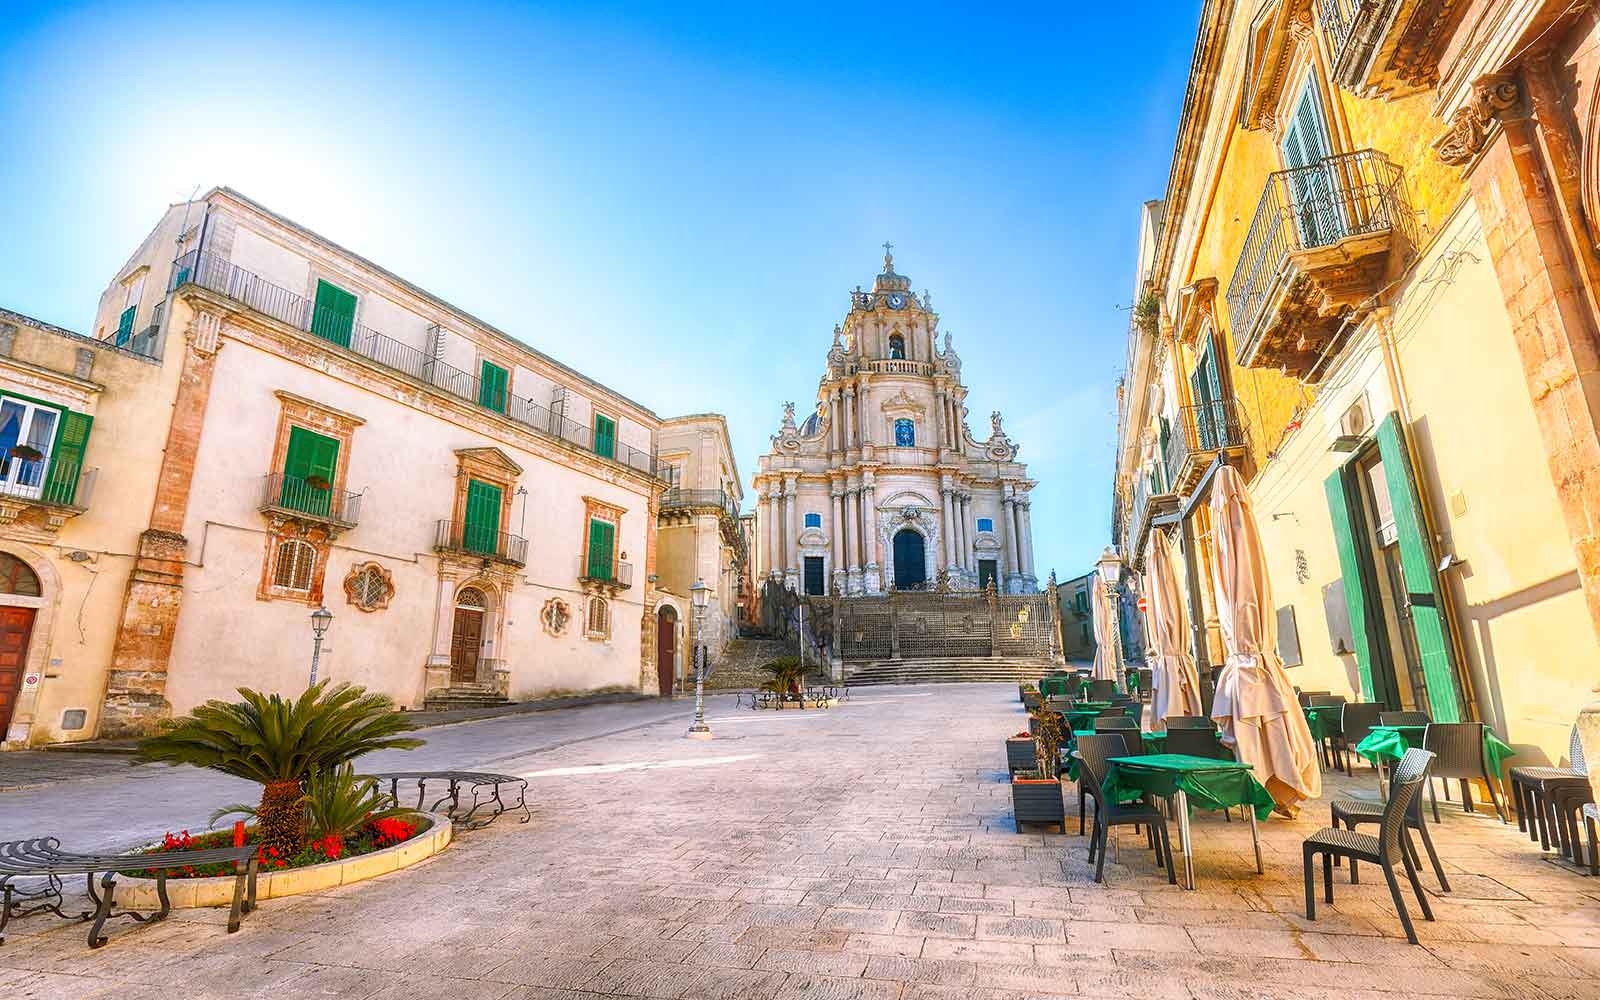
(1330, 724)
(1102, 690)
(1356, 721)
(1190, 722)
(1385, 849)
(1533, 790)
(1353, 812)
(1199, 743)
(1306, 696)
(1094, 753)
(1458, 750)
(1147, 684)
(1403, 719)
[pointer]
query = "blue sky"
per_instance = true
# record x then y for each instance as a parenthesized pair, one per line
(673, 198)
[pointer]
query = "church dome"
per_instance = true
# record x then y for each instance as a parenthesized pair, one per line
(809, 428)
(889, 281)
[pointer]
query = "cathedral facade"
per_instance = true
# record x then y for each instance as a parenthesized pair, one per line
(883, 486)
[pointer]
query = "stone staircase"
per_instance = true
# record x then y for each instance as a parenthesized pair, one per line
(739, 663)
(946, 670)
(463, 696)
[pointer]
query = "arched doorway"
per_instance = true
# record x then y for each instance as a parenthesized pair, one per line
(666, 649)
(466, 637)
(16, 627)
(910, 561)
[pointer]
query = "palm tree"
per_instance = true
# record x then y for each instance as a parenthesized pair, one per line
(787, 675)
(279, 742)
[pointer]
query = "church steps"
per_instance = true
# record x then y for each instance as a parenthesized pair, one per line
(998, 670)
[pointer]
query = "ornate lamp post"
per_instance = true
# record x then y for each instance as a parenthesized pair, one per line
(1109, 566)
(702, 596)
(320, 620)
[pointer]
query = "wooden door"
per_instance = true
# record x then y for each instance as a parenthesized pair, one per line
(16, 624)
(466, 640)
(666, 651)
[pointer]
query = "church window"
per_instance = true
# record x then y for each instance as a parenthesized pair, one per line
(905, 433)
(813, 520)
(985, 524)
(897, 347)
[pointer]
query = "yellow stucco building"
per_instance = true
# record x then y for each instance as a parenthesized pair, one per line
(1353, 293)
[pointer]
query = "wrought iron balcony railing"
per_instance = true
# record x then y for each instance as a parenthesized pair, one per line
(1307, 208)
(1337, 17)
(477, 540)
(312, 498)
(220, 276)
(1203, 430)
(36, 483)
(676, 499)
(1150, 500)
(619, 574)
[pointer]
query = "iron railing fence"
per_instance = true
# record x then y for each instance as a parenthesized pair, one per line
(1337, 17)
(675, 499)
(1302, 208)
(476, 540)
(1203, 428)
(219, 275)
(309, 496)
(619, 573)
(57, 487)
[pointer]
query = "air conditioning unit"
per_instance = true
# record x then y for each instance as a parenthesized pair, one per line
(1357, 420)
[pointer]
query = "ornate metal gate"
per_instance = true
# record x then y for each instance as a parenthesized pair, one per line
(933, 624)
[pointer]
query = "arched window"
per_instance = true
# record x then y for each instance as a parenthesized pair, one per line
(905, 433)
(296, 560)
(16, 577)
(897, 347)
(599, 616)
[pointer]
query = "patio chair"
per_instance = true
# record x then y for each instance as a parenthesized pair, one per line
(1533, 789)
(1095, 752)
(1190, 722)
(1115, 713)
(1384, 849)
(1305, 696)
(1458, 748)
(1102, 690)
(1353, 812)
(1403, 719)
(1355, 723)
(1147, 684)
(1330, 723)
(1199, 743)
(1567, 803)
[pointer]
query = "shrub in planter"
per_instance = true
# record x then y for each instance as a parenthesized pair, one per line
(1031, 699)
(1036, 793)
(1020, 753)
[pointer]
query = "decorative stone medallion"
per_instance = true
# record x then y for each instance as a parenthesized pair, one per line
(555, 616)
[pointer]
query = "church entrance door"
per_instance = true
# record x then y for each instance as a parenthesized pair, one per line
(910, 561)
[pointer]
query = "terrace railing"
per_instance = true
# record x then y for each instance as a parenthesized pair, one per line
(309, 497)
(477, 540)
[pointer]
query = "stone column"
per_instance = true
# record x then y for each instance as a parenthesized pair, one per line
(791, 488)
(762, 555)
(836, 535)
(947, 528)
(775, 529)
(849, 417)
(869, 530)
(1025, 541)
(944, 421)
(863, 430)
(964, 531)
(1009, 522)
(851, 528)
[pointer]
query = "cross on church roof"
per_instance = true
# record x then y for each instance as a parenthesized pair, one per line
(888, 257)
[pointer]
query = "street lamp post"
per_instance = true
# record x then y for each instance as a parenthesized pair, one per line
(320, 620)
(1109, 567)
(701, 595)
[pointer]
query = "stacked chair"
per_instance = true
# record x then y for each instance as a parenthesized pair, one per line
(1459, 753)
(1550, 801)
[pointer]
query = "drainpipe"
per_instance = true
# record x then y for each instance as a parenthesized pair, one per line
(1397, 387)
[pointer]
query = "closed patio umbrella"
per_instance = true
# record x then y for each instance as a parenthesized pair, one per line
(1177, 685)
(1255, 704)
(1105, 665)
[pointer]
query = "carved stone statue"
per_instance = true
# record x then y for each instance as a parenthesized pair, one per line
(994, 421)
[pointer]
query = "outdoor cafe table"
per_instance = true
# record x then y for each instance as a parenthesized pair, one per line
(1211, 784)
(1315, 719)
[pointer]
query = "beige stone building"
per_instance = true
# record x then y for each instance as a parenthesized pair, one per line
(883, 484)
(280, 424)
(699, 539)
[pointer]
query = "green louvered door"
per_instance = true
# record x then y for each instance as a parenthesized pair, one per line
(481, 532)
(333, 315)
(492, 387)
(1418, 563)
(1361, 592)
(605, 436)
(602, 545)
(308, 472)
(66, 458)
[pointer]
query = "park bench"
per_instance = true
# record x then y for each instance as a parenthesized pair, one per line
(43, 858)
(452, 783)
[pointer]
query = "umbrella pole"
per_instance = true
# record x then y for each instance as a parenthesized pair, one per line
(1183, 833)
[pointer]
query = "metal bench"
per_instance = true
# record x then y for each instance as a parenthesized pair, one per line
(453, 782)
(42, 857)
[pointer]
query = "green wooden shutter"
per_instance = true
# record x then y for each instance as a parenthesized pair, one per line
(1361, 593)
(308, 466)
(125, 325)
(481, 533)
(66, 458)
(1417, 564)
(602, 543)
(333, 315)
(492, 387)
(605, 436)
(1166, 451)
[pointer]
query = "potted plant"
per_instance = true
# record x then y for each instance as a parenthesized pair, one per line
(1036, 793)
(1020, 753)
(1031, 698)
(318, 483)
(26, 453)
(786, 676)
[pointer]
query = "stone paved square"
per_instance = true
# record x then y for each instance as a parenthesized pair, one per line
(862, 852)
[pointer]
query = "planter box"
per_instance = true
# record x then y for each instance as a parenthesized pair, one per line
(432, 837)
(1020, 755)
(1037, 800)
(1030, 700)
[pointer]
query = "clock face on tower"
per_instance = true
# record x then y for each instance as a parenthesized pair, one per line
(897, 301)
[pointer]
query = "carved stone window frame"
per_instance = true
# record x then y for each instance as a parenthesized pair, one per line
(318, 418)
(595, 509)
(597, 604)
(352, 586)
(486, 465)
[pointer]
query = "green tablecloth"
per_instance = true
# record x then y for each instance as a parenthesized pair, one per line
(1209, 784)
(1132, 678)
(1386, 744)
(1314, 722)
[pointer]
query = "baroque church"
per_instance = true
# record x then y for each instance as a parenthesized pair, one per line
(883, 486)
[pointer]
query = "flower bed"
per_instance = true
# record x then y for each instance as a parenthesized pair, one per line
(374, 836)
(431, 834)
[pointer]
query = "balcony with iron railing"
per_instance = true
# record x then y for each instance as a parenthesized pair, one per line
(462, 539)
(1203, 432)
(616, 575)
(222, 277)
(1387, 47)
(1151, 499)
(1324, 240)
(720, 500)
(309, 500)
(61, 491)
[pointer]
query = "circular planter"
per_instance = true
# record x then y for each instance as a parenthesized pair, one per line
(140, 893)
